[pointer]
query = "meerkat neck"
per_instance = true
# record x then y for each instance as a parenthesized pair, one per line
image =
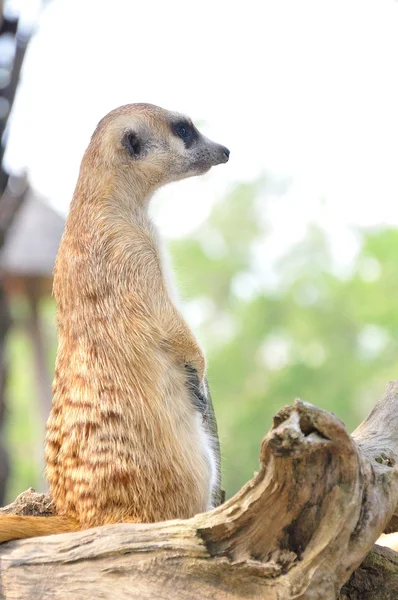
(124, 193)
(111, 216)
(111, 238)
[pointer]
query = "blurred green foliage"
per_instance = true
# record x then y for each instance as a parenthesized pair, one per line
(329, 339)
(24, 430)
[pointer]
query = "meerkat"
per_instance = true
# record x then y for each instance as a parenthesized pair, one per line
(131, 436)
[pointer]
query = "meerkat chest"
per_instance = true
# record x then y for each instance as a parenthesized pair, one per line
(198, 433)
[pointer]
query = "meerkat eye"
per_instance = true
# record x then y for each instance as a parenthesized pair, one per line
(132, 144)
(182, 131)
(185, 131)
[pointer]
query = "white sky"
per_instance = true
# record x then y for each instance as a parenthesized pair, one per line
(307, 90)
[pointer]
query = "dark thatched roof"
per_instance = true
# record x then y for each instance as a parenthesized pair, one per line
(33, 239)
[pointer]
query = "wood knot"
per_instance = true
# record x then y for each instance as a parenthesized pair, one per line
(384, 459)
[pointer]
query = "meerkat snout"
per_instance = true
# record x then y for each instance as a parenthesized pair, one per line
(221, 154)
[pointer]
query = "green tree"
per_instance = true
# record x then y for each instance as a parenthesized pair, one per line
(329, 340)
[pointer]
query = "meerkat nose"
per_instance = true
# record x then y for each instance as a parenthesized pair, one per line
(226, 153)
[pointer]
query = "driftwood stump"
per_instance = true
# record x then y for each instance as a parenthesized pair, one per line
(303, 528)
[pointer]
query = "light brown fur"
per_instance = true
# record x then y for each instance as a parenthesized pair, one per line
(124, 439)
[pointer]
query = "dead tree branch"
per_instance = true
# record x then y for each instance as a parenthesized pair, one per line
(299, 529)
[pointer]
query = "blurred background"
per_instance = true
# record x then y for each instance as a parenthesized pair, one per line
(286, 257)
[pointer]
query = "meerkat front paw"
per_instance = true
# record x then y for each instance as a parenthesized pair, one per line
(198, 389)
(197, 362)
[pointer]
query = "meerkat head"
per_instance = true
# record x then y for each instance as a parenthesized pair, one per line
(154, 145)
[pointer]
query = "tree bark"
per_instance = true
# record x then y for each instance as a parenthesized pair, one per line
(375, 579)
(299, 529)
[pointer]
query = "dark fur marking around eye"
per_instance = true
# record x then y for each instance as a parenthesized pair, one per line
(197, 392)
(132, 143)
(185, 131)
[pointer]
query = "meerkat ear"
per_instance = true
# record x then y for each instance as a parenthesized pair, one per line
(132, 143)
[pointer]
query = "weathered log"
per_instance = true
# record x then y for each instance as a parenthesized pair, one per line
(30, 503)
(299, 529)
(375, 579)
(377, 436)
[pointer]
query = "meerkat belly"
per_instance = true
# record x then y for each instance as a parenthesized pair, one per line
(195, 459)
(206, 446)
(185, 436)
(145, 460)
(195, 441)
